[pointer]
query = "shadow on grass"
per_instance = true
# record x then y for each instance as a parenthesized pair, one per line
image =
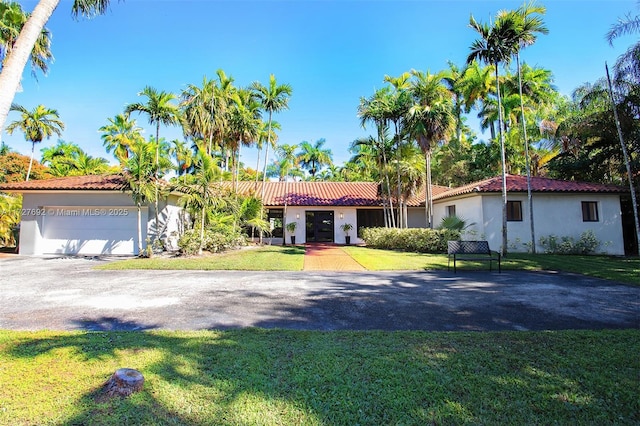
(255, 376)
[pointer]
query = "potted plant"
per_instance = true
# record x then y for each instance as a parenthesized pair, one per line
(291, 227)
(346, 227)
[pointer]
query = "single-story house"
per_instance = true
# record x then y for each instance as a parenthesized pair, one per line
(93, 215)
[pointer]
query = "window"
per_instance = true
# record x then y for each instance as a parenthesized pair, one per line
(274, 216)
(451, 210)
(514, 211)
(590, 211)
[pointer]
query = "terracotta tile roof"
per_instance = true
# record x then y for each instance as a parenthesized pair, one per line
(516, 183)
(71, 183)
(359, 194)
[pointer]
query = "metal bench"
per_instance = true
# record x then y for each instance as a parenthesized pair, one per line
(471, 250)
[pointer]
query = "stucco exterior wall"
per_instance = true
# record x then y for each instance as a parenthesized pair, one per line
(554, 214)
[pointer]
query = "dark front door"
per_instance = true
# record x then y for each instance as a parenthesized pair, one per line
(319, 226)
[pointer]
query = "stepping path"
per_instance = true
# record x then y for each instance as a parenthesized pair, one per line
(329, 257)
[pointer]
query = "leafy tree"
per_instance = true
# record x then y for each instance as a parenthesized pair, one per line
(37, 124)
(13, 167)
(30, 34)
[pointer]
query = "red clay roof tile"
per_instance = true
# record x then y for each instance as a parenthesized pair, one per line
(516, 183)
(358, 194)
(70, 183)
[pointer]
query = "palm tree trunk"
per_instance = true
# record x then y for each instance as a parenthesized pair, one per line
(33, 147)
(139, 230)
(200, 247)
(399, 188)
(634, 202)
(526, 157)
(156, 180)
(504, 167)
(392, 221)
(428, 202)
(264, 171)
(16, 61)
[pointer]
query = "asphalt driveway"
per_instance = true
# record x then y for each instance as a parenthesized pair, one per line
(67, 294)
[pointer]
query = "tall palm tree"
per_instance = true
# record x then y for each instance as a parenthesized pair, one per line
(139, 171)
(244, 126)
(374, 109)
(314, 156)
(274, 98)
(529, 24)
(431, 119)
(496, 46)
(396, 112)
(454, 78)
(201, 193)
(265, 136)
(160, 110)
(37, 124)
(119, 135)
(23, 47)
(627, 78)
(287, 161)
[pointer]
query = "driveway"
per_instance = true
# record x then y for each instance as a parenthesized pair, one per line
(67, 294)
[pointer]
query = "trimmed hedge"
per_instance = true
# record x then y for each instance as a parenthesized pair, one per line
(421, 240)
(214, 241)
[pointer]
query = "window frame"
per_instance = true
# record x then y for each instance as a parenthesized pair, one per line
(449, 209)
(589, 210)
(511, 211)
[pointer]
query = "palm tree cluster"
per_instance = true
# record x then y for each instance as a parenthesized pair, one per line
(217, 120)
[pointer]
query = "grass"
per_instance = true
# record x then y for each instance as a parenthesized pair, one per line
(266, 377)
(291, 258)
(626, 270)
(266, 258)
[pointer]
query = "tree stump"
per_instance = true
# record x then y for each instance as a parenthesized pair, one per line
(124, 382)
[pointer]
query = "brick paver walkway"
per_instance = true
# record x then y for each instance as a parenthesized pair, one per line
(329, 257)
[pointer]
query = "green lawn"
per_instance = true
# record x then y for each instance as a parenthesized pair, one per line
(291, 258)
(620, 269)
(266, 258)
(268, 377)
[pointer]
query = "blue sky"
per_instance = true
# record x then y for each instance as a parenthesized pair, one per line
(332, 52)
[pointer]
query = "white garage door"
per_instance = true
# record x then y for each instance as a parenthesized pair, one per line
(90, 230)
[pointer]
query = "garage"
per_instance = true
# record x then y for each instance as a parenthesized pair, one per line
(89, 230)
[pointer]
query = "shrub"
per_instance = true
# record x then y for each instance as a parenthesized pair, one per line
(214, 241)
(586, 244)
(420, 240)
